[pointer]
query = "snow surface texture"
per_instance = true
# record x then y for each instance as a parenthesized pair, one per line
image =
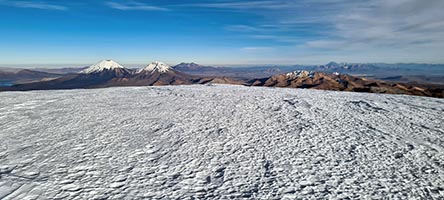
(102, 65)
(213, 141)
(156, 66)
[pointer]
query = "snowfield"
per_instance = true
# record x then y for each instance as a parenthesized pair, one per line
(219, 142)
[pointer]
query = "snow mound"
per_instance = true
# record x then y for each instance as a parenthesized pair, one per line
(300, 74)
(155, 66)
(101, 66)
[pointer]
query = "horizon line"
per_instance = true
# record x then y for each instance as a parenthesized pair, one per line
(80, 65)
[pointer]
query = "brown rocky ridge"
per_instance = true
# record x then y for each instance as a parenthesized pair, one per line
(343, 82)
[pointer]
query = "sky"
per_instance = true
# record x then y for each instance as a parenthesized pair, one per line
(221, 32)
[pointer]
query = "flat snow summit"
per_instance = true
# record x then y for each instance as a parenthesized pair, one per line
(219, 142)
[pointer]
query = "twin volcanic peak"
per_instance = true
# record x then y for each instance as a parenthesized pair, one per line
(108, 73)
(111, 65)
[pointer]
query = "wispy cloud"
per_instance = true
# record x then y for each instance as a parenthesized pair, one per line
(34, 4)
(257, 49)
(248, 4)
(391, 24)
(278, 38)
(325, 44)
(359, 30)
(344, 25)
(133, 5)
(242, 28)
(237, 4)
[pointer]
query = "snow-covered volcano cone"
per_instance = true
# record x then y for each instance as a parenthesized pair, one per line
(102, 66)
(155, 66)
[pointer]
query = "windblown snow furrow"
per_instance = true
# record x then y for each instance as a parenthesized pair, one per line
(219, 142)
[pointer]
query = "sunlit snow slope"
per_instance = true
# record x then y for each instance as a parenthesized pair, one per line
(217, 142)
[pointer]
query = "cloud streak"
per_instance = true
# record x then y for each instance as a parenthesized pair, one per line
(34, 5)
(242, 28)
(257, 49)
(247, 5)
(133, 5)
(393, 24)
(344, 26)
(310, 30)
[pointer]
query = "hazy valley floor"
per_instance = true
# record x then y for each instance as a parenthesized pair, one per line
(219, 142)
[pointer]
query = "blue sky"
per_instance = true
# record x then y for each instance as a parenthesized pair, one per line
(221, 32)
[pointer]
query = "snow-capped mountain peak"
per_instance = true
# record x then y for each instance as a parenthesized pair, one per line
(101, 66)
(300, 74)
(156, 66)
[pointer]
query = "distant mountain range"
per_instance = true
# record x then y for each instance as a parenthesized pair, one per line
(25, 75)
(380, 69)
(235, 72)
(421, 73)
(108, 73)
(403, 72)
(343, 82)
